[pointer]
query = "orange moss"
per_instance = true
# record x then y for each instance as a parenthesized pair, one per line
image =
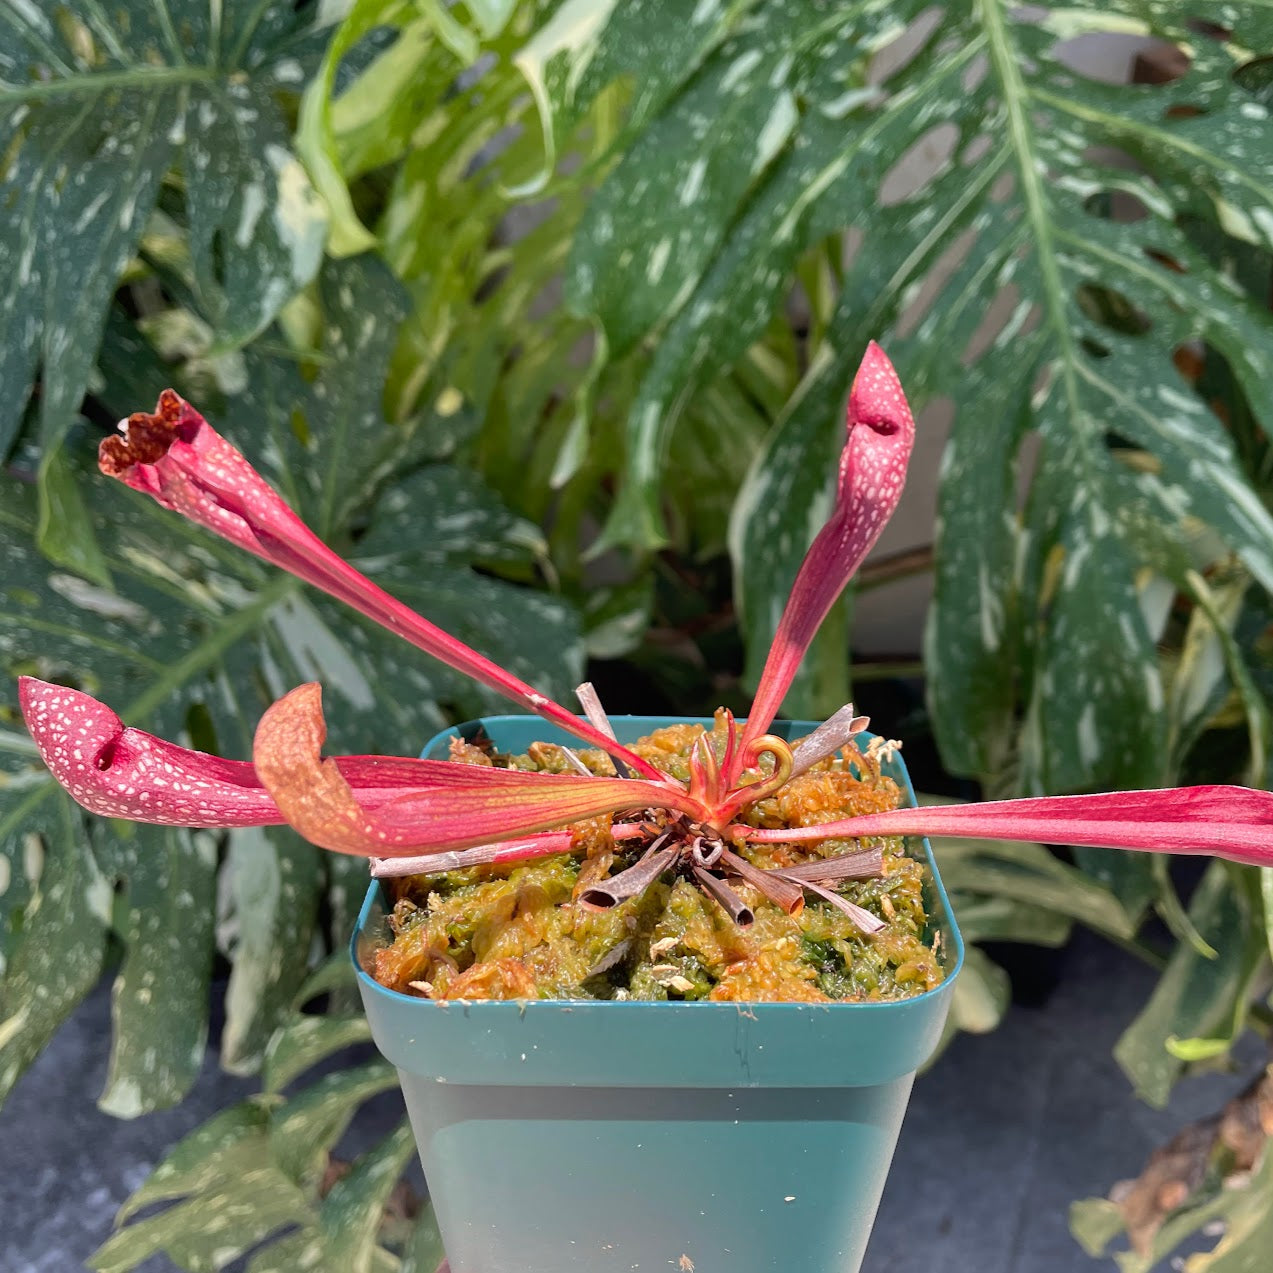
(517, 931)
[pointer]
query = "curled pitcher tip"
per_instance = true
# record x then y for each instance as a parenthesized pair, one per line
(877, 398)
(119, 772)
(871, 475)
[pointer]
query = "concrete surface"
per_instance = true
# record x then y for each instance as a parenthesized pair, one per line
(1002, 1135)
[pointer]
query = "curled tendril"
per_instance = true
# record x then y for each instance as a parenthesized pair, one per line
(741, 797)
(767, 745)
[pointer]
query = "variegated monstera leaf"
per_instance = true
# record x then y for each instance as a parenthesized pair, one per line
(1025, 238)
(107, 111)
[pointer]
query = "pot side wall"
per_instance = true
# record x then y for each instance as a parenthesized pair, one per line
(611, 1180)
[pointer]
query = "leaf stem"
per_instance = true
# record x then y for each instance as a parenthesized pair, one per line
(103, 81)
(1004, 58)
(896, 566)
(208, 651)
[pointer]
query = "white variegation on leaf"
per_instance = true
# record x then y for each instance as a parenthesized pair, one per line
(1003, 282)
(196, 640)
(97, 108)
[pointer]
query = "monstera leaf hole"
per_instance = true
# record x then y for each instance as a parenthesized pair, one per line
(1115, 57)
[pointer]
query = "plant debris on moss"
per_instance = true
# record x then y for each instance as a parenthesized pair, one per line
(521, 930)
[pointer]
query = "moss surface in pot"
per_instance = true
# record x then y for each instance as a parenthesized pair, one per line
(568, 927)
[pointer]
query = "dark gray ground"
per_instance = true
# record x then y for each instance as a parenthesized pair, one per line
(1005, 1132)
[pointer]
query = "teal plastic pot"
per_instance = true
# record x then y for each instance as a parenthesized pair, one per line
(568, 1137)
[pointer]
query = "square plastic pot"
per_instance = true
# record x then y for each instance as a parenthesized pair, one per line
(634, 1137)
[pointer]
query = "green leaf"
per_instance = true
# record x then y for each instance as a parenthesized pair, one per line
(710, 457)
(223, 1147)
(275, 884)
(159, 1002)
(451, 32)
(1129, 878)
(351, 1212)
(980, 1000)
(491, 16)
(1248, 1234)
(376, 113)
(1031, 874)
(529, 633)
(54, 913)
(210, 1231)
(1197, 997)
(1223, 607)
(229, 1143)
(325, 437)
(311, 1122)
(1179, 1226)
(615, 619)
(315, 142)
(973, 698)
(99, 108)
(424, 1253)
(65, 532)
(1095, 1223)
(300, 1250)
(347, 882)
(588, 44)
(307, 1040)
(1173, 912)
(336, 974)
(986, 917)
(1190, 1050)
(680, 183)
(1096, 717)
(1105, 376)
(824, 180)
(234, 1197)
(467, 523)
(304, 1250)
(1199, 685)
